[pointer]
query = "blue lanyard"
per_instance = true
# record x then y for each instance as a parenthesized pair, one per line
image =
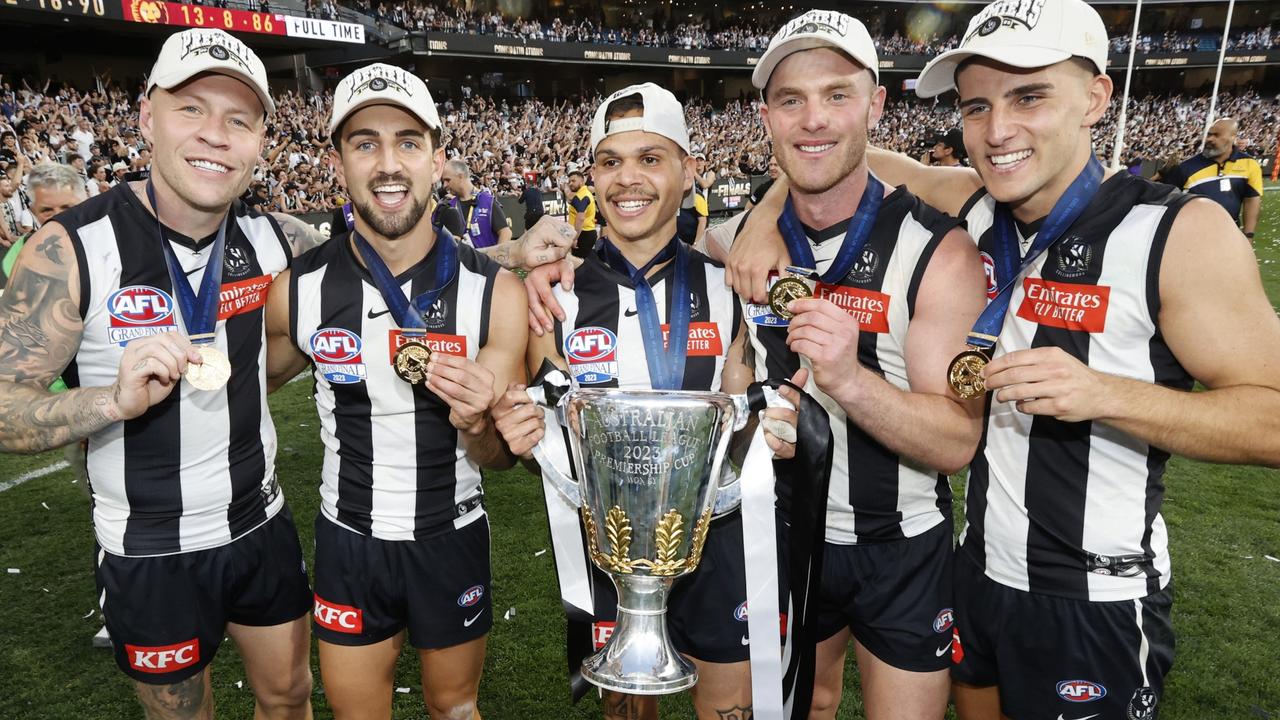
(854, 239)
(666, 362)
(1064, 213)
(408, 313)
(199, 312)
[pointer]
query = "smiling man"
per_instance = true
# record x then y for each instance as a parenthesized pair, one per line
(194, 539)
(1063, 590)
(411, 333)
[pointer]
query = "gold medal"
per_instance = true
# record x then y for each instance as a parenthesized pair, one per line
(411, 362)
(965, 374)
(783, 292)
(212, 373)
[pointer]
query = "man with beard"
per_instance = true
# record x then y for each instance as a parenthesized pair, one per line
(410, 333)
(897, 285)
(194, 539)
(1223, 173)
(1103, 313)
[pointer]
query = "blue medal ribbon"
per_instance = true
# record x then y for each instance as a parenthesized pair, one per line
(349, 215)
(1064, 213)
(854, 238)
(408, 313)
(199, 312)
(665, 360)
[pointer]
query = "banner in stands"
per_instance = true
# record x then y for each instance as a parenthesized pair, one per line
(469, 45)
(331, 30)
(727, 196)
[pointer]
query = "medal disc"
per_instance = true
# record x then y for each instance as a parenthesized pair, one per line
(411, 362)
(784, 291)
(965, 374)
(212, 373)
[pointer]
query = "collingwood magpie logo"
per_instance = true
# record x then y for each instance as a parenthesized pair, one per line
(864, 268)
(215, 46)
(436, 315)
(378, 83)
(1074, 256)
(1142, 706)
(1006, 13)
(695, 306)
(818, 21)
(236, 262)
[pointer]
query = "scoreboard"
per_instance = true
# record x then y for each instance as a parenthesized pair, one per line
(162, 12)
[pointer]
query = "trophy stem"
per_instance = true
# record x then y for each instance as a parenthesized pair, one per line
(639, 658)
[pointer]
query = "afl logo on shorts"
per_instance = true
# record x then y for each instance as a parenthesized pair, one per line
(337, 354)
(740, 612)
(1080, 691)
(943, 622)
(138, 311)
(471, 596)
(592, 353)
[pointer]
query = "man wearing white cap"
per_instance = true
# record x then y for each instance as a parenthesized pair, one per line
(897, 285)
(1063, 588)
(194, 538)
(410, 333)
(640, 281)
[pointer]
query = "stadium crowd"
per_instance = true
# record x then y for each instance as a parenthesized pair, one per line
(508, 144)
(1175, 41)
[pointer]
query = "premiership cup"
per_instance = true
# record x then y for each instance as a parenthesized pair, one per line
(649, 464)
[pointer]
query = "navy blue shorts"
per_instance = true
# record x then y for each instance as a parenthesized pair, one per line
(167, 614)
(368, 589)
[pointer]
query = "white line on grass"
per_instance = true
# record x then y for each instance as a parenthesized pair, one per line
(60, 465)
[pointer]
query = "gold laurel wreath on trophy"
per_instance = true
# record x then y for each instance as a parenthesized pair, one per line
(667, 535)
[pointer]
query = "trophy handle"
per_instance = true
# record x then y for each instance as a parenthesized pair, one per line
(729, 494)
(565, 485)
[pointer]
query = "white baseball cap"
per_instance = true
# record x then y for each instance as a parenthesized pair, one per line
(1024, 34)
(380, 84)
(663, 115)
(816, 29)
(191, 52)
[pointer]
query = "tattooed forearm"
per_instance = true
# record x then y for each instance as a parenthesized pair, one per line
(301, 236)
(39, 327)
(505, 254)
(34, 420)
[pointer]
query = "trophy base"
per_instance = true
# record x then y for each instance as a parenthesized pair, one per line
(639, 658)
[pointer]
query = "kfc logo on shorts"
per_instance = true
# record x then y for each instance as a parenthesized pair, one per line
(592, 353)
(336, 352)
(1080, 691)
(957, 650)
(943, 622)
(471, 596)
(600, 633)
(989, 270)
(338, 618)
(139, 311)
(163, 659)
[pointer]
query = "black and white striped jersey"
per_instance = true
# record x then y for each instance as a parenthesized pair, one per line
(197, 470)
(394, 467)
(600, 337)
(874, 495)
(1073, 509)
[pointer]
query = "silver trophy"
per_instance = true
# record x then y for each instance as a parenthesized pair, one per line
(650, 467)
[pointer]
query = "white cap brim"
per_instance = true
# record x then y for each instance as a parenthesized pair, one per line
(431, 122)
(188, 70)
(939, 75)
(799, 43)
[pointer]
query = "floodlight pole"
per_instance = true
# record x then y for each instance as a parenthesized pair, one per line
(1222, 54)
(1128, 78)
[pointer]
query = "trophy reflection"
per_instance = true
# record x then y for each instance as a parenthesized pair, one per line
(649, 462)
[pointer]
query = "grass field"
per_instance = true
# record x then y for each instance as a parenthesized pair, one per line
(1223, 522)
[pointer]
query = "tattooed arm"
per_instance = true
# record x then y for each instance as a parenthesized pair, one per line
(40, 332)
(547, 241)
(301, 236)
